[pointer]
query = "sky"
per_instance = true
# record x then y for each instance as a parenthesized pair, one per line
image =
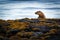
(18, 9)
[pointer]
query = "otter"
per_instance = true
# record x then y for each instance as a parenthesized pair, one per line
(41, 14)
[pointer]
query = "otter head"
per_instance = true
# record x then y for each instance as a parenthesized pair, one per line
(38, 12)
(41, 14)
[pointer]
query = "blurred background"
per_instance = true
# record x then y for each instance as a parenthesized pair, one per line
(18, 9)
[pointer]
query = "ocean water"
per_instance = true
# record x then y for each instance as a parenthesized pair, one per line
(18, 9)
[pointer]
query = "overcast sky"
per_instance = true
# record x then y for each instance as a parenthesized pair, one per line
(17, 9)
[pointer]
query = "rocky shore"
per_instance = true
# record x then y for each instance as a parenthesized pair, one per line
(30, 29)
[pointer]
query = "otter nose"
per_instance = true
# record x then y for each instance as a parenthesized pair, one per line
(35, 13)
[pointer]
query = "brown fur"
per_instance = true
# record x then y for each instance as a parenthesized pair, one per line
(41, 14)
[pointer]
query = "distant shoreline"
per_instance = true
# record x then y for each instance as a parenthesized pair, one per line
(33, 18)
